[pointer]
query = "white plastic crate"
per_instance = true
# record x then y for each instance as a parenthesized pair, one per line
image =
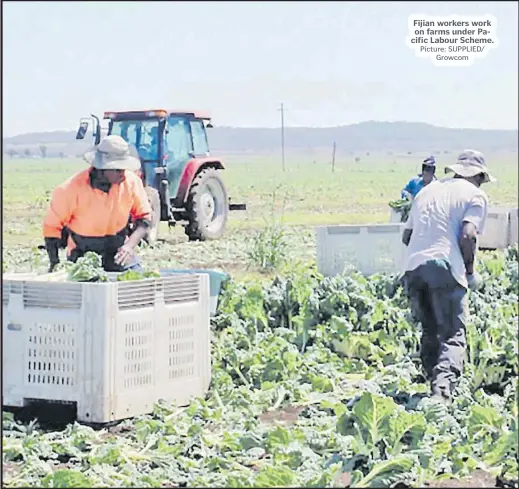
(369, 249)
(114, 349)
(395, 216)
(513, 227)
(496, 232)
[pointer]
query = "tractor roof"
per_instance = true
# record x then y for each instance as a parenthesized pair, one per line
(198, 114)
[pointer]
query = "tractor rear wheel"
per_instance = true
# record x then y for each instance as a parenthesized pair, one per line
(154, 199)
(207, 207)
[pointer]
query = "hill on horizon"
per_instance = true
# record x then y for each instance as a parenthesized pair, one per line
(365, 136)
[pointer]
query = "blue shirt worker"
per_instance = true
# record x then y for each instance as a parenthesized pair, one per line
(425, 178)
(441, 239)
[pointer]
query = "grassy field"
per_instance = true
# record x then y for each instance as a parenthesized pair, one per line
(307, 194)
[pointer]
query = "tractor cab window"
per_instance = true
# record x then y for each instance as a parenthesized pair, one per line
(200, 146)
(178, 140)
(144, 135)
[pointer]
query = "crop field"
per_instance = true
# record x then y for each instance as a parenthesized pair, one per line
(316, 381)
(305, 195)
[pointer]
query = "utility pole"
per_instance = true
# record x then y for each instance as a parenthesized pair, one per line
(282, 110)
(333, 157)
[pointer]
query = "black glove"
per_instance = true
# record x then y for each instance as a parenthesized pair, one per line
(52, 246)
(65, 233)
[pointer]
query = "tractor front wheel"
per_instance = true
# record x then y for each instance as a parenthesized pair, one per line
(154, 199)
(207, 207)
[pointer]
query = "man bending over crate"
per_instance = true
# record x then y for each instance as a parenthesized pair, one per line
(94, 205)
(441, 234)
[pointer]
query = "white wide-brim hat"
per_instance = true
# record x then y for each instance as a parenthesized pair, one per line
(113, 153)
(471, 163)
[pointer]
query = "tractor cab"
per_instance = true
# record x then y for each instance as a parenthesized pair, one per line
(165, 140)
(177, 167)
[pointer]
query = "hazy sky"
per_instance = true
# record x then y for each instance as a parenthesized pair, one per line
(331, 63)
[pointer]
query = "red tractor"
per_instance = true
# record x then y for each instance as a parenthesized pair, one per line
(182, 179)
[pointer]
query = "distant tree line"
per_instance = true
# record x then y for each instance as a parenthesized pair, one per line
(27, 153)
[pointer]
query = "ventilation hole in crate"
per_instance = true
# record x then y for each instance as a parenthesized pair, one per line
(181, 288)
(181, 359)
(182, 346)
(136, 381)
(8, 288)
(386, 259)
(138, 367)
(138, 353)
(346, 256)
(182, 373)
(6, 291)
(181, 320)
(137, 295)
(181, 334)
(52, 295)
(177, 347)
(52, 354)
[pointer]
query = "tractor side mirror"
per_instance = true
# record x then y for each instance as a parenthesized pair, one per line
(97, 133)
(209, 125)
(83, 128)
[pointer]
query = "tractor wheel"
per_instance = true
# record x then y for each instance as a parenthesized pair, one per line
(207, 207)
(154, 199)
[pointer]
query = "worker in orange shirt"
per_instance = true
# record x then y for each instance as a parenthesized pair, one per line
(93, 206)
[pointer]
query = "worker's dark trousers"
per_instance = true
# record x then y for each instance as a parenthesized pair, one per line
(439, 302)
